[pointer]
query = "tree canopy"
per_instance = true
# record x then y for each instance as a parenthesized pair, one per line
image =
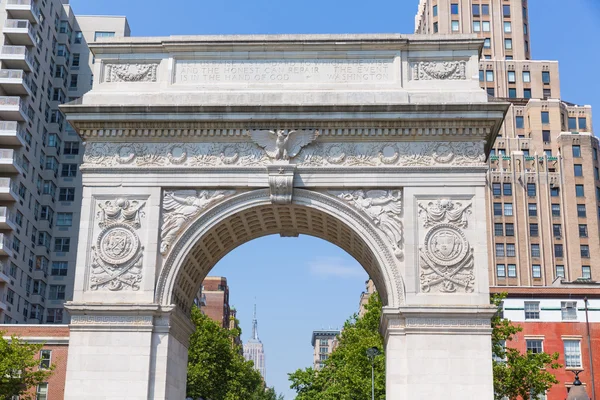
(216, 368)
(19, 370)
(346, 375)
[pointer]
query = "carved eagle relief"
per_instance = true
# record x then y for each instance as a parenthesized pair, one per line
(283, 144)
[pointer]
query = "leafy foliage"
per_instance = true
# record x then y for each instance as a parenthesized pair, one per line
(518, 375)
(19, 368)
(216, 368)
(346, 375)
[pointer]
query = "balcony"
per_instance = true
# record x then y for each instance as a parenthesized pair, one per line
(10, 163)
(8, 190)
(19, 31)
(15, 82)
(23, 9)
(6, 222)
(11, 134)
(5, 246)
(16, 57)
(12, 108)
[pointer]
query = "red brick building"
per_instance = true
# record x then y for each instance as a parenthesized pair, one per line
(554, 320)
(215, 295)
(55, 351)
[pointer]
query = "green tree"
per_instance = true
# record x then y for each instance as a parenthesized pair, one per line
(516, 374)
(346, 375)
(19, 370)
(216, 368)
(267, 394)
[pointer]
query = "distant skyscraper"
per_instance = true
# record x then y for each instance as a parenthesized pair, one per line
(254, 351)
(323, 342)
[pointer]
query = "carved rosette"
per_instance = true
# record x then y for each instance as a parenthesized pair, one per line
(180, 207)
(384, 209)
(439, 70)
(117, 253)
(446, 257)
(131, 72)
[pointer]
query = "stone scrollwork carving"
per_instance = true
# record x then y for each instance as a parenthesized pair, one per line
(384, 208)
(439, 70)
(180, 207)
(281, 182)
(320, 154)
(131, 72)
(117, 253)
(283, 144)
(446, 257)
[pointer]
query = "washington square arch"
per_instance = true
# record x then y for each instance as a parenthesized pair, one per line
(196, 145)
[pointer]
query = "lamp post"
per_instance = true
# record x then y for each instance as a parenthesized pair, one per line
(577, 391)
(372, 352)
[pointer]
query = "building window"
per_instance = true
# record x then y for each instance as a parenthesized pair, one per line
(54, 316)
(485, 9)
(454, 26)
(98, 35)
(533, 230)
(546, 76)
(547, 93)
(507, 27)
(558, 251)
(64, 219)
(496, 189)
(66, 194)
(572, 354)
(481, 75)
(454, 8)
(586, 272)
(582, 123)
(78, 37)
(501, 270)
(572, 123)
(531, 190)
(71, 148)
(583, 231)
(560, 271)
(498, 209)
(476, 26)
(498, 230)
(491, 91)
(508, 209)
(581, 213)
(508, 44)
(489, 76)
(62, 245)
(436, 29)
(579, 191)
(510, 251)
(509, 229)
(69, 170)
(578, 169)
(546, 136)
(506, 11)
(584, 249)
(557, 230)
(57, 292)
(45, 359)
(532, 310)
(568, 310)
(545, 117)
(512, 78)
(534, 345)
(532, 207)
(499, 250)
(536, 271)
(554, 192)
(74, 81)
(476, 10)
(576, 151)
(76, 60)
(512, 271)
(525, 29)
(520, 122)
(41, 393)
(507, 189)
(527, 93)
(485, 25)
(59, 268)
(526, 76)
(535, 250)
(512, 93)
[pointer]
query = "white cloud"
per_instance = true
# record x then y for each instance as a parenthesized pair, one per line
(336, 267)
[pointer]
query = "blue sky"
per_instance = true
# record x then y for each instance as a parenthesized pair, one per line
(304, 284)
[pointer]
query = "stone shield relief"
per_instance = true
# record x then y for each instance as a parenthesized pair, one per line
(117, 252)
(446, 256)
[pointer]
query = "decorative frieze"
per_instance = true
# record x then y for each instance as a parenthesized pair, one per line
(223, 154)
(137, 320)
(130, 72)
(447, 322)
(283, 144)
(117, 253)
(439, 70)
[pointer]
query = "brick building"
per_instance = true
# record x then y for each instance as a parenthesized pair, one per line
(215, 300)
(55, 351)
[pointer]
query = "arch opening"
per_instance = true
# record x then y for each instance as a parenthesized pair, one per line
(251, 215)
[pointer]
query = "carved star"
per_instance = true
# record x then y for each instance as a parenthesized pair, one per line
(281, 171)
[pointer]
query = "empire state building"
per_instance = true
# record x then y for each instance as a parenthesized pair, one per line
(254, 351)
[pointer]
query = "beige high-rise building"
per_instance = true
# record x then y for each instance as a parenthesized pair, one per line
(323, 342)
(45, 61)
(544, 169)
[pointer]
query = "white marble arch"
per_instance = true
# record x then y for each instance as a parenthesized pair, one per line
(379, 261)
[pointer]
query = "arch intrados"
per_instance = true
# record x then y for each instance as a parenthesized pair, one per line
(193, 255)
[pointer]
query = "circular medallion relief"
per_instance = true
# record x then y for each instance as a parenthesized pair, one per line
(117, 244)
(446, 245)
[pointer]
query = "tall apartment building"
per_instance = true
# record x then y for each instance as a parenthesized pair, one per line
(44, 62)
(544, 175)
(215, 299)
(254, 350)
(323, 342)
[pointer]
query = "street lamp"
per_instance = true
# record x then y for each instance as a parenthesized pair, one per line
(372, 352)
(577, 391)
